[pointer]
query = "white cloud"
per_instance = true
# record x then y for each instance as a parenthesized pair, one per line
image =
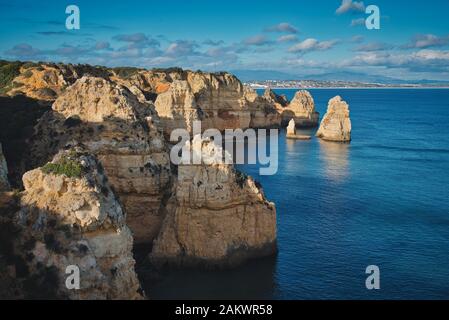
(287, 38)
(358, 22)
(283, 27)
(312, 45)
(426, 41)
(350, 6)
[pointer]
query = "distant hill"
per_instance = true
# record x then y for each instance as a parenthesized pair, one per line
(261, 75)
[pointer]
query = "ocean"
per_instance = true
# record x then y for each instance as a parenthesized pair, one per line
(380, 200)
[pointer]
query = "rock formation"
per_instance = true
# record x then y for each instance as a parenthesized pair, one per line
(69, 216)
(217, 99)
(46, 81)
(291, 132)
(177, 108)
(121, 131)
(4, 183)
(263, 109)
(217, 216)
(301, 109)
(336, 125)
(272, 97)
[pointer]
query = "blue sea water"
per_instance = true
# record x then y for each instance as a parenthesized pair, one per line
(380, 200)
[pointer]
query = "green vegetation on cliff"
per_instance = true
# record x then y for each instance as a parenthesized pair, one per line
(8, 71)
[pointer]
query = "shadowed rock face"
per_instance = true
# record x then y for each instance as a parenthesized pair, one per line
(217, 216)
(4, 183)
(70, 216)
(336, 124)
(111, 123)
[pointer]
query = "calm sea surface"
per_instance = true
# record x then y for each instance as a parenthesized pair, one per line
(383, 199)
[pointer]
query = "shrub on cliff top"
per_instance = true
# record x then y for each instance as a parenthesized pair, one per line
(67, 167)
(8, 71)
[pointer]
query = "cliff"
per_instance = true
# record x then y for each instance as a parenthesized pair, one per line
(121, 131)
(69, 216)
(336, 124)
(46, 81)
(217, 216)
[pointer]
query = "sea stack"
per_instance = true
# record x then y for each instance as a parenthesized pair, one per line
(70, 217)
(302, 110)
(291, 128)
(291, 132)
(4, 184)
(217, 216)
(336, 124)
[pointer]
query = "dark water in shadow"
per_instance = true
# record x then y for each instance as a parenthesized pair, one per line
(383, 200)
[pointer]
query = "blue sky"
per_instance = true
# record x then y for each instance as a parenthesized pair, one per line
(298, 37)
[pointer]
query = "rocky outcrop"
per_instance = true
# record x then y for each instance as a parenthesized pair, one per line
(46, 81)
(291, 128)
(263, 109)
(301, 109)
(217, 216)
(4, 183)
(291, 132)
(69, 216)
(177, 107)
(336, 124)
(121, 131)
(274, 98)
(217, 99)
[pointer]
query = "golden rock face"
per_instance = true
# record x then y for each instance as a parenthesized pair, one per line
(336, 124)
(79, 222)
(216, 217)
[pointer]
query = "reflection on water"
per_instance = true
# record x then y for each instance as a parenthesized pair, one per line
(335, 157)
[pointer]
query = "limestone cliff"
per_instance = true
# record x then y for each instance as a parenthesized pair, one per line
(217, 99)
(69, 216)
(263, 109)
(301, 109)
(216, 216)
(109, 120)
(177, 107)
(4, 183)
(336, 124)
(46, 81)
(274, 98)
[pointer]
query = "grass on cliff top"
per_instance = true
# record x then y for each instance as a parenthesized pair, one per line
(67, 167)
(8, 71)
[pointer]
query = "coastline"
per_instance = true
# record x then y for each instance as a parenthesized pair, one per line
(346, 88)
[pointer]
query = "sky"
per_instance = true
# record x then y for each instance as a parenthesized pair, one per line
(296, 37)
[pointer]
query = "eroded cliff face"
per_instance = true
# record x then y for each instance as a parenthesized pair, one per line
(263, 109)
(69, 216)
(121, 131)
(301, 109)
(46, 81)
(4, 183)
(217, 216)
(336, 124)
(217, 100)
